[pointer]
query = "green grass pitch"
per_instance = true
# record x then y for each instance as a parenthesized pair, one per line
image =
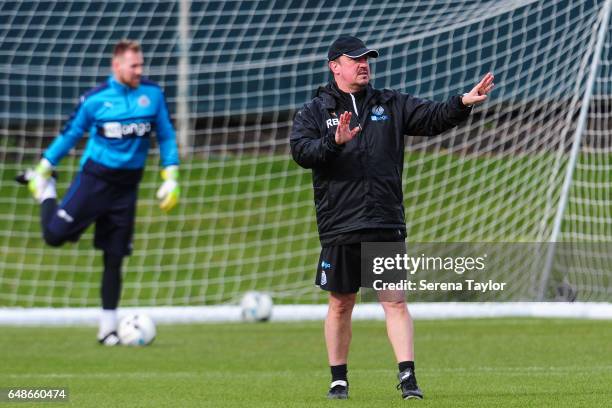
(460, 363)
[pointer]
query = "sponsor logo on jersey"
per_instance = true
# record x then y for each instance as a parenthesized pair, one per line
(118, 130)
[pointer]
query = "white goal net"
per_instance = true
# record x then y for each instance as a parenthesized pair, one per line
(532, 164)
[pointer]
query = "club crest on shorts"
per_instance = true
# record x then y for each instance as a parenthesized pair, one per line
(323, 278)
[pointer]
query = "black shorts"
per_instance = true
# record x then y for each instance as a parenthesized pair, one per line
(339, 267)
(110, 206)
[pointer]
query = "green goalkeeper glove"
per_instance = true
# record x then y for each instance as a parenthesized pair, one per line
(169, 191)
(40, 178)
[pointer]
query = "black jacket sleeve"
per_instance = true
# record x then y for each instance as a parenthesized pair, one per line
(308, 147)
(427, 118)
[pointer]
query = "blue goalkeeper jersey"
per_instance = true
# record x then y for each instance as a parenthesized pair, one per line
(120, 121)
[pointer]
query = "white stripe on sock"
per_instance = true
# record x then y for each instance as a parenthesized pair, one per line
(338, 382)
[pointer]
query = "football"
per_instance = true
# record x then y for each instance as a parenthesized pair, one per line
(256, 307)
(136, 330)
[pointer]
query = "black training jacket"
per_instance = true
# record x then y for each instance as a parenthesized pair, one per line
(358, 185)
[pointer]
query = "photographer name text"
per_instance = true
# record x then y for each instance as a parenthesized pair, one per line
(425, 285)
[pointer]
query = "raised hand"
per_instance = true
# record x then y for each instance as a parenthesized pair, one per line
(480, 91)
(343, 132)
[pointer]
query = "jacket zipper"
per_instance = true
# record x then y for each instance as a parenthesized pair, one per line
(356, 112)
(359, 142)
(354, 105)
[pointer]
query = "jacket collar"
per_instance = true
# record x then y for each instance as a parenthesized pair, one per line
(330, 95)
(115, 84)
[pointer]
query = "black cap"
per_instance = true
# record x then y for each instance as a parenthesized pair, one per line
(352, 47)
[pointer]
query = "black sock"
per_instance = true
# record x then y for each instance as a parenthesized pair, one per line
(338, 372)
(111, 281)
(47, 209)
(404, 365)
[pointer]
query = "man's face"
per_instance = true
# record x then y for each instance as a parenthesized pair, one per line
(127, 68)
(351, 73)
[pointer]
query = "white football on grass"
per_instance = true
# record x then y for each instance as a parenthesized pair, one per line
(256, 306)
(136, 330)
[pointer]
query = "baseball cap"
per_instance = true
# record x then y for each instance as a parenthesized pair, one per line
(350, 46)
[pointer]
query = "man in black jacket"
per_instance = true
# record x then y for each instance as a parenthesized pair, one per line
(352, 137)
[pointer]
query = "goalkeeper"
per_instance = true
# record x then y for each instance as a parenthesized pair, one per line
(120, 116)
(352, 137)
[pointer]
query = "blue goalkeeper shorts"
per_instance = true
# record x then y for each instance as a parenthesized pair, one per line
(106, 197)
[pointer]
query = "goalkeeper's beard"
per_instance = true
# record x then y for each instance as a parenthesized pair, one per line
(134, 82)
